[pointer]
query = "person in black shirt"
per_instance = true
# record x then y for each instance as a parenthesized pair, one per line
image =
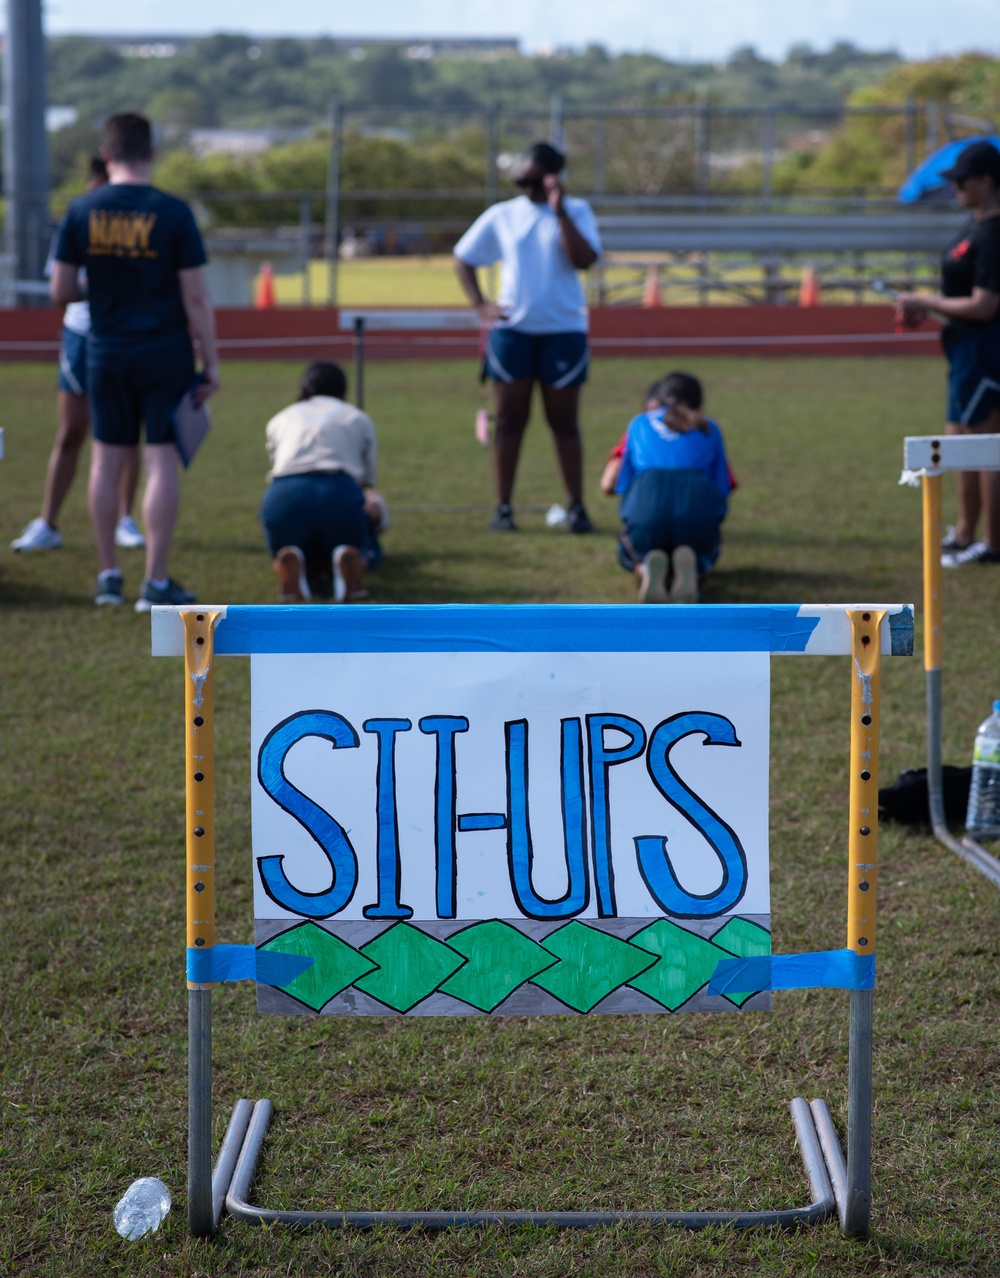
(143, 255)
(969, 302)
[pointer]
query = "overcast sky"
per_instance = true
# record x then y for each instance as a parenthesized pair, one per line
(708, 30)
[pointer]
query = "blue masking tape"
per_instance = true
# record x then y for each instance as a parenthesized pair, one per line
(514, 628)
(824, 969)
(244, 963)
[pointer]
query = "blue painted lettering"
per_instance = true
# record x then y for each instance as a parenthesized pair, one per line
(327, 832)
(654, 862)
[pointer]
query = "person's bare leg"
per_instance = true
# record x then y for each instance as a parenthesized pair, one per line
(969, 495)
(989, 487)
(562, 413)
(513, 407)
(130, 483)
(160, 505)
(73, 419)
(978, 491)
(107, 462)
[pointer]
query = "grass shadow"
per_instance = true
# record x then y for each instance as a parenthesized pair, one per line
(758, 584)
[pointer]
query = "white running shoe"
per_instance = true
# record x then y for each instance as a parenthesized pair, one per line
(38, 536)
(348, 575)
(290, 567)
(653, 578)
(684, 588)
(128, 534)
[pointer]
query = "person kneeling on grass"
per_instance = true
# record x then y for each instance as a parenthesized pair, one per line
(672, 472)
(321, 513)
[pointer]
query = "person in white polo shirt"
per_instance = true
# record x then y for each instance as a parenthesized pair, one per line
(538, 325)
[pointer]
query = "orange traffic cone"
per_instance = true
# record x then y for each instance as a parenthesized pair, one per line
(651, 289)
(264, 299)
(809, 288)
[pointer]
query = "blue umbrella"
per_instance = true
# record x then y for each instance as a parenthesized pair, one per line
(926, 181)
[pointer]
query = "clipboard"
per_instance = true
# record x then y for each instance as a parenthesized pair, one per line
(192, 423)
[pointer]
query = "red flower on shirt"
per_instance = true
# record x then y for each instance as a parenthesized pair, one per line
(960, 250)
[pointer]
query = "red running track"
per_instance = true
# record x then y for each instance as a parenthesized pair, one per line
(306, 333)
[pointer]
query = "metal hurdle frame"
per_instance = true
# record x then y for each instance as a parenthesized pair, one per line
(360, 322)
(931, 457)
(836, 1185)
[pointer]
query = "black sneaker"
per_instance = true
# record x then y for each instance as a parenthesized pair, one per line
(577, 519)
(109, 588)
(171, 593)
(950, 543)
(978, 553)
(503, 519)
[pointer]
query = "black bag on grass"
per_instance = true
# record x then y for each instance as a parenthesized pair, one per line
(905, 800)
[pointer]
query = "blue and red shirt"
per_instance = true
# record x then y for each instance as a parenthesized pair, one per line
(650, 444)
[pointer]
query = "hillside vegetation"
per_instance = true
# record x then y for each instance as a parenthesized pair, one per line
(421, 123)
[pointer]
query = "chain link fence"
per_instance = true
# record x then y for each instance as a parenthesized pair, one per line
(381, 246)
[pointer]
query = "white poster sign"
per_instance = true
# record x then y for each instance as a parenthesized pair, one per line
(429, 827)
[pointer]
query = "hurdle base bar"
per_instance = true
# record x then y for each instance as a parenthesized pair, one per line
(817, 1140)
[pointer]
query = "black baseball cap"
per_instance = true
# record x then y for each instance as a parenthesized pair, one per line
(979, 159)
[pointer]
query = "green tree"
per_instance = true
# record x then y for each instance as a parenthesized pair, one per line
(871, 151)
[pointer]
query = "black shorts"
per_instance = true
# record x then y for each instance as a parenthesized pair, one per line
(664, 509)
(142, 385)
(318, 511)
(554, 359)
(973, 374)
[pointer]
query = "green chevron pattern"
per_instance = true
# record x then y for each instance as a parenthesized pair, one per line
(500, 958)
(335, 965)
(483, 964)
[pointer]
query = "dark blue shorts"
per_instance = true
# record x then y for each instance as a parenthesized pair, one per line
(73, 363)
(128, 387)
(554, 359)
(973, 375)
(664, 509)
(317, 512)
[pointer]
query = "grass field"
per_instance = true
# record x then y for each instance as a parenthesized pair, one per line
(548, 1113)
(431, 281)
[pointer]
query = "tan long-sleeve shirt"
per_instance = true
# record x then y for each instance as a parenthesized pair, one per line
(322, 433)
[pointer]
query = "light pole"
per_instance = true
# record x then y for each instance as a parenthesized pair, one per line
(25, 161)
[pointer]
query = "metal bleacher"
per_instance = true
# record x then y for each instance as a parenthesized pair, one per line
(847, 249)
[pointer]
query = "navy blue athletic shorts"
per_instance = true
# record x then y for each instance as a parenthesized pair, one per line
(664, 509)
(554, 359)
(317, 512)
(73, 362)
(128, 387)
(973, 375)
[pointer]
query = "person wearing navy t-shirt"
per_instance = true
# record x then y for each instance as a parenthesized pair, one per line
(674, 479)
(143, 256)
(969, 303)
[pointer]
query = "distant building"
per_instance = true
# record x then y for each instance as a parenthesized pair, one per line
(241, 141)
(420, 48)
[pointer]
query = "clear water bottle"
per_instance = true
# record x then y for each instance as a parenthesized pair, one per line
(983, 818)
(142, 1209)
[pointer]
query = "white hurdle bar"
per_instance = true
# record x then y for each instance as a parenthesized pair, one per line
(358, 322)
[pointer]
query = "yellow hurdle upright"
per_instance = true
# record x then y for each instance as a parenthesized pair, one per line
(862, 884)
(199, 719)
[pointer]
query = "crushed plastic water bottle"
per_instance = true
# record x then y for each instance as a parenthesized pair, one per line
(143, 1208)
(556, 516)
(983, 817)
